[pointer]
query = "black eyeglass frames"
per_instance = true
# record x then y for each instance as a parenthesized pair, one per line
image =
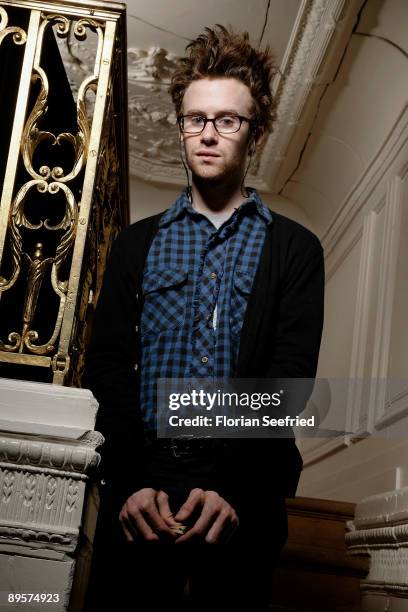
(224, 124)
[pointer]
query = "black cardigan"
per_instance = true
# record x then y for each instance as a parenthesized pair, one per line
(280, 338)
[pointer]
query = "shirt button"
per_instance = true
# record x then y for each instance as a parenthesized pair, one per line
(213, 275)
(137, 296)
(208, 317)
(204, 359)
(136, 328)
(135, 367)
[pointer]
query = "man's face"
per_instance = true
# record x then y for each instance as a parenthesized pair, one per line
(212, 156)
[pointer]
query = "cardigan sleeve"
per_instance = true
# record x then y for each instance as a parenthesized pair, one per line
(299, 319)
(297, 334)
(291, 351)
(112, 374)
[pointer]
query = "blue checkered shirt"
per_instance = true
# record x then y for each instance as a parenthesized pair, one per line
(193, 269)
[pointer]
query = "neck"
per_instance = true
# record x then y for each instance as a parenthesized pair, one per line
(213, 197)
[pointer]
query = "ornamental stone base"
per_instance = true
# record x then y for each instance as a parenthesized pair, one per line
(47, 449)
(380, 530)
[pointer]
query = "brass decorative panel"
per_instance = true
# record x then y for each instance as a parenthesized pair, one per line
(65, 190)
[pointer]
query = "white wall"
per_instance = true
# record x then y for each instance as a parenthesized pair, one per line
(352, 183)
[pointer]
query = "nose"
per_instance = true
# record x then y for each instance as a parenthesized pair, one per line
(209, 133)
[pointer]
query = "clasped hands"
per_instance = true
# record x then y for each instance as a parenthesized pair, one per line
(146, 514)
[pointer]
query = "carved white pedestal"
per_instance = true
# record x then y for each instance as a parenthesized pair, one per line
(47, 447)
(380, 529)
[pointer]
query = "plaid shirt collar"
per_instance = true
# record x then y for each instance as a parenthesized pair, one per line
(183, 204)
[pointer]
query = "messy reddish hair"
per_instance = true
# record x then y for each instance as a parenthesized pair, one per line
(221, 52)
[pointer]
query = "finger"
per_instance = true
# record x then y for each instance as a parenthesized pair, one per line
(155, 521)
(220, 519)
(165, 511)
(201, 526)
(137, 523)
(193, 500)
(229, 529)
(220, 530)
(128, 535)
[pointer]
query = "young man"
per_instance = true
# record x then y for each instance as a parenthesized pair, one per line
(216, 286)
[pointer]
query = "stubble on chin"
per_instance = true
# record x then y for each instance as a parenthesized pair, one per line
(212, 172)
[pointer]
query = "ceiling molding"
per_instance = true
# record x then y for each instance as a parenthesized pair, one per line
(318, 21)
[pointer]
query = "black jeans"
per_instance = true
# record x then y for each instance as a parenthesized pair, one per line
(149, 576)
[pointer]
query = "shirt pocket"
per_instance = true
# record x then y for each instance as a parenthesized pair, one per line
(165, 299)
(241, 288)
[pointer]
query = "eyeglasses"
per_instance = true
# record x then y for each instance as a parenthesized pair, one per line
(224, 124)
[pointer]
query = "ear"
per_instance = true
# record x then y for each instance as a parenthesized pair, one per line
(255, 139)
(259, 134)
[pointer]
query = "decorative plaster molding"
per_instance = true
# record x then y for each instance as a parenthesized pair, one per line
(395, 408)
(42, 489)
(62, 541)
(388, 162)
(380, 529)
(379, 186)
(317, 22)
(153, 135)
(376, 285)
(386, 293)
(339, 257)
(364, 303)
(43, 454)
(43, 476)
(380, 587)
(384, 537)
(154, 66)
(324, 450)
(40, 508)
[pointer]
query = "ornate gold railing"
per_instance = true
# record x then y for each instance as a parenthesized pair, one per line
(63, 177)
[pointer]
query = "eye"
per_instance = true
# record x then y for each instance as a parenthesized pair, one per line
(196, 120)
(227, 121)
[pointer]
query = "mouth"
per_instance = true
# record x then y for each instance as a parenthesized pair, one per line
(207, 154)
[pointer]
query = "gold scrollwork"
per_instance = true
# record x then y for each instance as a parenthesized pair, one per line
(38, 265)
(18, 220)
(51, 266)
(13, 337)
(19, 35)
(32, 135)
